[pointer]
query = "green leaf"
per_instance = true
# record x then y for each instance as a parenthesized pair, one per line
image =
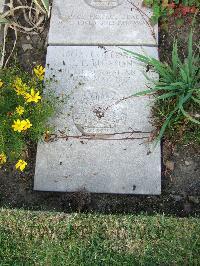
(184, 75)
(145, 92)
(141, 58)
(46, 5)
(164, 70)
(190, 52)
(166, 95)
(183, 99)
(172, 86)
(164, 126)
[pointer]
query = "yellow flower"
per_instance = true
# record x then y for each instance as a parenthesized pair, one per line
(39, 72)
(21, 164)
(20, 110)
(1, 83)
(26, 124)
(20, 87)
(3, 158)
(18, 126)
(33, 96)
(21, 125)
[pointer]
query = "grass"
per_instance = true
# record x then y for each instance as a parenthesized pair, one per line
(41, 238)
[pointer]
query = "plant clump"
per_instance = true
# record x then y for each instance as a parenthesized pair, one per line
(177, 94)
(25, 112)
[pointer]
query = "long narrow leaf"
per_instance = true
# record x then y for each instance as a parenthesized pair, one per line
(46, 5)
(167, 95)
(164, 126)
(145, 92)
(183, 99)
(176, 62)
(184, 75)
(139, 57)
(190, 52)
(163, 69)
(171, 87)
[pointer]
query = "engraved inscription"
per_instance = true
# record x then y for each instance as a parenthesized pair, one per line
(98, 82)
(101, 20)
(89, 110)
(85, 18)
(84, 70)
(109, 22)
(104, 4)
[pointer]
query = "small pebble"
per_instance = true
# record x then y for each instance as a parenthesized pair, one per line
(170, 165)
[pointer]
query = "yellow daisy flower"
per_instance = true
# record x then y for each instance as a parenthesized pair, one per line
(26, 124)
(20, 110)
(18, 126)
(3, 158)
(1, 83)
(32, 97)
(39, 72)
(21, 164)
(21, 125)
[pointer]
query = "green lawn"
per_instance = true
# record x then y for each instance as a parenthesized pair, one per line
(41, 238)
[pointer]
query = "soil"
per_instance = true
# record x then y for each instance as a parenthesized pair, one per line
(181, 163)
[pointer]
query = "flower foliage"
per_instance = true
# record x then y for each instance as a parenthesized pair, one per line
(25, 112)
(166, 8)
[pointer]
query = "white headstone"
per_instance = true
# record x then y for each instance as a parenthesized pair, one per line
(108, 22)
(101, 142)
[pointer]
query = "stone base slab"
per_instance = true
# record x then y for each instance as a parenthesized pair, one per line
(122, 166)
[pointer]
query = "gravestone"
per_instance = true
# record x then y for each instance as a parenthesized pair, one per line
(90, 22)
(101, 141)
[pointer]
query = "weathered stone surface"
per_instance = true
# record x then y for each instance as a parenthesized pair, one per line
(107, 22)
(102, 132)
(100, 166)
(96, 81)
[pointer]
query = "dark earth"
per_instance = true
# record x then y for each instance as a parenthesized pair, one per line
(180, 168)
